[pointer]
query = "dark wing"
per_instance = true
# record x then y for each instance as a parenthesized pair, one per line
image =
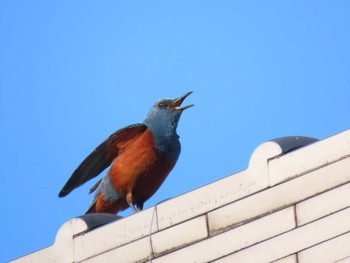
(101, 157)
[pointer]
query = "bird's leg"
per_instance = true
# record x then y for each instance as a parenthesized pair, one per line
(139, 206)
(129, 201)
(132, 207)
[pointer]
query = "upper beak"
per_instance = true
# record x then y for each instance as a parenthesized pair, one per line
(176, 103)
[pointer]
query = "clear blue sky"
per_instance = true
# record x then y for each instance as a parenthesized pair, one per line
(73, 72)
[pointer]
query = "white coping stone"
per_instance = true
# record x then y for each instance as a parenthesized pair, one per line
(323, 204)
(234, 239)
(309, 158)
(115, 234)
(209, 197)
(180, 235)
(330, 251)
(295, 240)
(280, 196)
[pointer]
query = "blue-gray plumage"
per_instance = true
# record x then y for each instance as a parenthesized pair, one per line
(163, 124)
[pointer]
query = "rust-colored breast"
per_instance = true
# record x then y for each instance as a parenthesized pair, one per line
(139, 169)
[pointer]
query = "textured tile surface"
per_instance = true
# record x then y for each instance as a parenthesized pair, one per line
(235, 239)
(289, 259)
(180, 235)
(137, 251)
(323, 204)
(207, 198)
(280, 196)
(115, 234)
(330, 251)
(295, 240)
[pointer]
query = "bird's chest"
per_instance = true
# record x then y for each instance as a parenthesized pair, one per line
(139, 166)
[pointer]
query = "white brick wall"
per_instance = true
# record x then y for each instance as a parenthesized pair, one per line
(333, 250)
(234, 239)
(284, 208)
(114, 235)
(180, 235)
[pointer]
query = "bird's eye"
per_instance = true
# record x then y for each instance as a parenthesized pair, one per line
(162, 104)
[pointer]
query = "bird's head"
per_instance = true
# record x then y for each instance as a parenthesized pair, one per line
(165, 114)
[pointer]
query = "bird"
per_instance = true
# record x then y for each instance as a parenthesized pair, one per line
(139, 156)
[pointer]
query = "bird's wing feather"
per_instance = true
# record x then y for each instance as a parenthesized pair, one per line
(101, 157)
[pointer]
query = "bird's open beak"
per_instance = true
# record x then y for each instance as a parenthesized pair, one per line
(176, 103)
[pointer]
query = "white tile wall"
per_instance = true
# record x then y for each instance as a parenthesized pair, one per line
(207, 198)
(289, 259)
(323, 204)
(280, 196)
(309, 158)
(235, 239)
(296, 240)
(137, 251)
(180, 235)
(330, 251)
(115, 234)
